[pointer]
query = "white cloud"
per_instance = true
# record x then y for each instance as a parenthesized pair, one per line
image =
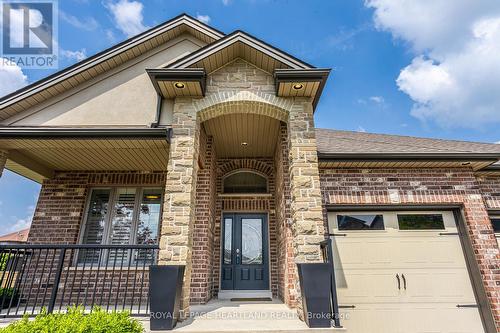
(11, 77)
(226, 2)
(498, 142)
(360, 129)
(88, 24)
(377, 99)
(77, 55)
(128, 16)
(203, 18)
(23, 223)
(454, 77)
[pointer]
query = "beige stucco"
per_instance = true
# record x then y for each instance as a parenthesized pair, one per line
(121, 97)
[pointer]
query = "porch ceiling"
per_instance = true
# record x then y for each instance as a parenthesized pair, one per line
(38, 157)
(231, 131)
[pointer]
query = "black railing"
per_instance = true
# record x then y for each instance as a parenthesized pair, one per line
(54, 277)
(327, 252)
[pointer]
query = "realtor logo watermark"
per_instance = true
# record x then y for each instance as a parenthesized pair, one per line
(29, 34)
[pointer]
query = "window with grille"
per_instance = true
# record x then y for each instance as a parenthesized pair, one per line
(121, 216)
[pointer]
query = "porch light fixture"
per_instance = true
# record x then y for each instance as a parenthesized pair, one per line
(465, 163)
(179, 85)
(152, 197)
(244, 144)
(298, 86)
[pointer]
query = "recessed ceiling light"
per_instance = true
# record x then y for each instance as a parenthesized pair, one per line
(179, 85)
(298, 86)
(244, 144)
(465, 163)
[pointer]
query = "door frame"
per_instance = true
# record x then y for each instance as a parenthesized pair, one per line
(221, 247)
(476, 280)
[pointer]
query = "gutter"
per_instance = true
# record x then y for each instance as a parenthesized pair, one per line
(84, 133)
(353, 157)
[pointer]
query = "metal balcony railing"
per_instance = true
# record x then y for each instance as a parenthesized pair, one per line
(54, 277)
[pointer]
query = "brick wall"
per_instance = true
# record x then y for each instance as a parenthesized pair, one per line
(286, 263)
(424, 186)
(203, 231)
(490, 189)
(61, 203)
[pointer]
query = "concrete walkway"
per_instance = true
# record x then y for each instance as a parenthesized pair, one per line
(242, 317)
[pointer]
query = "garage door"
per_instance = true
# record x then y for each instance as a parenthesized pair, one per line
(402, 272)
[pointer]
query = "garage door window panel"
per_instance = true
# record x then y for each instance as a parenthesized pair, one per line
(360, 222)
(421, 222)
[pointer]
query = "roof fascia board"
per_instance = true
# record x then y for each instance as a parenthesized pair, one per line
(186, 74)
(348, 157)
(105, 55)
(83, 133)
(235, 37)
(301, 75)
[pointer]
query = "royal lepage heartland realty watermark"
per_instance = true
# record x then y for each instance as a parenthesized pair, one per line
(29, 34)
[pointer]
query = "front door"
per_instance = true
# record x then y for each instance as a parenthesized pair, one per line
(245, 262)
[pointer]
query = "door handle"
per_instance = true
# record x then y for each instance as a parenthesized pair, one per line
(237, 256)
(399, 281)
(404, 281)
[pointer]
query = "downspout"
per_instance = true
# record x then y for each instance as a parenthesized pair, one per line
(159, 102)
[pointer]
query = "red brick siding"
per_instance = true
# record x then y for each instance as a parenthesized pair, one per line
(203, 231)
(60, 208)
(490, 189)
(424, 186)
(286, 263)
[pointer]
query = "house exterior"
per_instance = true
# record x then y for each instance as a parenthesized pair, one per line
(17, 237)
(184, 145)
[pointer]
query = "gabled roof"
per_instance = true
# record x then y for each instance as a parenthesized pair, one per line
(240, 44)
(349, 142)
(20, 236)
(93, 66)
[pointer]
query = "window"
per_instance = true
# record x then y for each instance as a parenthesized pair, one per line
(495, 221)
(121, 216)
(245, 182)
(360, 222)
(420, 221)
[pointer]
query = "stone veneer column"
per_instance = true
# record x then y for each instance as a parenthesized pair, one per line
(306, 204)
(3, 160)
(179, 204)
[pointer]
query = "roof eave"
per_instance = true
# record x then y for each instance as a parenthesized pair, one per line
(84, 133)
(493, 157)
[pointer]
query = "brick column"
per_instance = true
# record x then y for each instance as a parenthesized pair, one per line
(179, 205)
(306, 205)
(3, 160)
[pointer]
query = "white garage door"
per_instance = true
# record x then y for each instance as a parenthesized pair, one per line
(402, 272)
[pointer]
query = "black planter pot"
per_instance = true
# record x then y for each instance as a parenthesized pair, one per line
(315, 279)
(165, 290)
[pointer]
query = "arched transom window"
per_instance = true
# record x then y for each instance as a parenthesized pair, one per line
(245, 182)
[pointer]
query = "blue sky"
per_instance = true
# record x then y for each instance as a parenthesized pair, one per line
(431, 74)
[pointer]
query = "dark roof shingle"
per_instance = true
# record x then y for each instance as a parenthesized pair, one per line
(348, 142)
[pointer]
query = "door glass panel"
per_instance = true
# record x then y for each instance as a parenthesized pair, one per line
(420, 221)
(121, 223)
(251, 241)
(360, 222)
(228, 235)
(149, 218)
(94, 226)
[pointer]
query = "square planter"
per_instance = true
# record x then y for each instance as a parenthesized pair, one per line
(315, 281)
(165, 290)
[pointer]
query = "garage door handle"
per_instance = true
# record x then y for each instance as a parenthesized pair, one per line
(399, 281)
(467, 306)
(404, 281)
(448, 234)
(347, 306)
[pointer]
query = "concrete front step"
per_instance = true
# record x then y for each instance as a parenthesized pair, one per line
(243, 317)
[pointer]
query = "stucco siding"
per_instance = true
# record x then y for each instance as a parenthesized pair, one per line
(121, 97)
